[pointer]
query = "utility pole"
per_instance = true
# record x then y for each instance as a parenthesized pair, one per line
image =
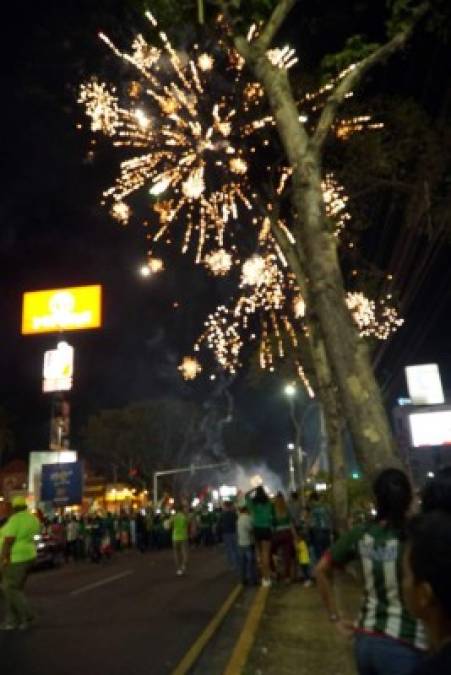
(187, 469)
(200, 12)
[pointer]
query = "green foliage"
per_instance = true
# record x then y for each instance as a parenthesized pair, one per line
(168, 12)
(401, 14)
(147, 436)
(438, 16)
(355, 49)
(410, 151)
(178, 14)
(259, 9)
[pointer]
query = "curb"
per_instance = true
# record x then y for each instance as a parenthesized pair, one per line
(248, 634)
(199, 645)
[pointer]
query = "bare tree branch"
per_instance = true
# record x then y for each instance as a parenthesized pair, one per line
(280, 13)
(355, 74)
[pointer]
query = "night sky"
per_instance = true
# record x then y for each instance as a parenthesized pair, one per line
(54, 233)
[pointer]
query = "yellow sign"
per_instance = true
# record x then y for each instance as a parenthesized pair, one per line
(74, 308)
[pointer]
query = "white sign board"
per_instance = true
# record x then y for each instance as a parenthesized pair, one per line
(424, 384)
(227, 491)
(36, 461)
(58, 368)
(430, 428)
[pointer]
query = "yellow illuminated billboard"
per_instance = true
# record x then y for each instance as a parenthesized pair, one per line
(61, 309)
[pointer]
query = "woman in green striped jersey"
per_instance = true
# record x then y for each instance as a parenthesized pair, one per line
(388, 640)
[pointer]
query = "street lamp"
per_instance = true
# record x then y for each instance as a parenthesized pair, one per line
(292, 472)
(145, 271)
(290, 391)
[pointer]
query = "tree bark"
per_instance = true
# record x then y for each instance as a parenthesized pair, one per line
(346, 351)
(312, 345)
(337, 459)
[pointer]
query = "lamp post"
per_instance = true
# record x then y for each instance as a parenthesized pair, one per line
(145, 271)
(200, 12)
(291, 447)
(290, 391)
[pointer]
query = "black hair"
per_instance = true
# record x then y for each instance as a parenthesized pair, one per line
(430, 554)
(393, 495)
(260, 496)
(437, 492)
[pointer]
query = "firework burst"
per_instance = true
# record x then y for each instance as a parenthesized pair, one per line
(194, 144)
(198, 138)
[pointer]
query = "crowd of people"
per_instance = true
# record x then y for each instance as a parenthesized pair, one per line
(404, 625)
(99, 536)
(265, 538)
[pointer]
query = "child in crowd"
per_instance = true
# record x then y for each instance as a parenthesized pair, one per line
(303, 558)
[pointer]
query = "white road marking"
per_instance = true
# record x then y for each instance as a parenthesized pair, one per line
(102, 582)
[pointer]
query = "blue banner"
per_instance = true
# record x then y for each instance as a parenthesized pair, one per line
(62, 484)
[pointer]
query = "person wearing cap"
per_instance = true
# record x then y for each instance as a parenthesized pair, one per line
(17, 555)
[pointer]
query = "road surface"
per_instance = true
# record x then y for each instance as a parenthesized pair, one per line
(132, 616)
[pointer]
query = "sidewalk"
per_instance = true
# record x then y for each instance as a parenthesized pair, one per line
(295, 636)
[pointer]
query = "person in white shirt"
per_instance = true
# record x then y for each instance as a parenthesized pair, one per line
(72, 529)
(246, 547)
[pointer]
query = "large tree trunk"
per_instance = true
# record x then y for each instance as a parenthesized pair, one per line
(337, 459)
(327, 393)
(320, 373)
(346, 352)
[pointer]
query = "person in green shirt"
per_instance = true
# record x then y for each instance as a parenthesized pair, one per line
(179, 523)
(387, 639)
(262, 514)
(18, 553)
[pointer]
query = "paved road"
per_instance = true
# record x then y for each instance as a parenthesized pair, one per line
(132, 616)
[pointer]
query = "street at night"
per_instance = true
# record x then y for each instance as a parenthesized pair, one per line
(225, 327)
(130, 615)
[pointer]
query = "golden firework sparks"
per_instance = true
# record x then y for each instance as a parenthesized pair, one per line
(192, 146)
(190, 368)
(282, 57)
(198, 149)
(205, 62)
(219, 262)
(101, 105)
(120, 212)
(373, 319)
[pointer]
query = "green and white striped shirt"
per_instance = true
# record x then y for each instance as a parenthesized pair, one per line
(379, 550)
